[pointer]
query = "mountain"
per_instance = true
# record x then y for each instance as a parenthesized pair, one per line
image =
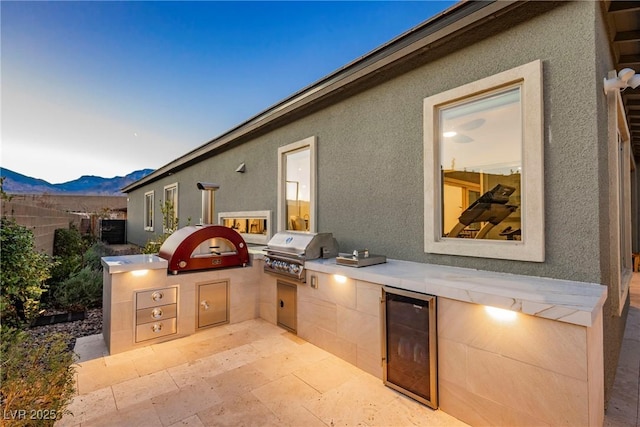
(16, 183)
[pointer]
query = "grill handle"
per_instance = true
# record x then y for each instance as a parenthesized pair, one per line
(288, 254)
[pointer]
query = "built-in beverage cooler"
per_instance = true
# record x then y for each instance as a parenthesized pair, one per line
(409, 353)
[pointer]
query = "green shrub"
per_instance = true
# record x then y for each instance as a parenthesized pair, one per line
(37, 381)
(81, 291)
(94, 254)
(24, 272)
(68, 242)
(68, 250)
(153, 246)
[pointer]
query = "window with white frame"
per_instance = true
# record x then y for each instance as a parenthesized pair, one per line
(170, 208)
(620, 199)
(148, 210)
(483, 146)
(297, 186)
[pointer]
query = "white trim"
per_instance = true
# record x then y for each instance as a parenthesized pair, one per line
(282, 151)
(146, 210)
(619, 207)
(531, 247)
(175, 207)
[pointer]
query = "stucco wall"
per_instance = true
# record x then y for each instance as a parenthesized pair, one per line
(370, 155)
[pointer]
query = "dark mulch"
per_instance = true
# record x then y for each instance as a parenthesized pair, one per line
(90, 325)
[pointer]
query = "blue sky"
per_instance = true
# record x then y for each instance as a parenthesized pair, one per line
(106, 88)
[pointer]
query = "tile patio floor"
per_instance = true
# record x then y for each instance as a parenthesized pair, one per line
(256, 374)
(247, 374)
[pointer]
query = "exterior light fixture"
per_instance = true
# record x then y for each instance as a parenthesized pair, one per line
(340, 278)
(501, 314)
(139, 273)
(241, 168)
(626, 77)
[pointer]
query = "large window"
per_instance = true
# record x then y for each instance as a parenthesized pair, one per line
(170, 208)
(483, 167)
(297, 186)
(148, 211)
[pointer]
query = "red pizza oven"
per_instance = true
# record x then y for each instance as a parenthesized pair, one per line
(204, 247)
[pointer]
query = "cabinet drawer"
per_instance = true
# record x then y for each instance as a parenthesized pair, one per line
(156, 297)
(155, 314)
(149, 331)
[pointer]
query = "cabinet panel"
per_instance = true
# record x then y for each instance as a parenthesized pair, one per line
(213, 304)
(156, 297)
(287, 306)
(154, 314)
(149, 331)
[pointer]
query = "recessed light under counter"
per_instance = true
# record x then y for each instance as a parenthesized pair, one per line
(561, 300)
(523, 348)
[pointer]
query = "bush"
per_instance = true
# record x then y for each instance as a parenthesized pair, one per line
(93, 255)
(153, 246)
(36, 378)
(81, 291)
(68, 249)
(23, 274)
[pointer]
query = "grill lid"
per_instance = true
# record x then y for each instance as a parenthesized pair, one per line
(303, 244)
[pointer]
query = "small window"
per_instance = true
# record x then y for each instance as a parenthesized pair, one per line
(297, 186)
(148, 211)
(170, 208)
(483, 167)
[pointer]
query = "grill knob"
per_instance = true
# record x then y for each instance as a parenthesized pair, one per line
(294, 269)
(267, 261)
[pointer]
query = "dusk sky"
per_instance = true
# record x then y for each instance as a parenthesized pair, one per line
(106, 88)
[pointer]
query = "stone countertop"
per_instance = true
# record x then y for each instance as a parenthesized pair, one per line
(257, 252)
(124, 263)
(567, 301)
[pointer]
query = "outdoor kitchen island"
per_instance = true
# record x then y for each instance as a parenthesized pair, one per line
(537, 362)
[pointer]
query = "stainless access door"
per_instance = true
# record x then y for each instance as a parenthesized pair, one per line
(409, 344)
(213, 303)
(287, 310)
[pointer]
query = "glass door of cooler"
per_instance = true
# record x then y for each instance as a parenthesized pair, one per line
(409, 344)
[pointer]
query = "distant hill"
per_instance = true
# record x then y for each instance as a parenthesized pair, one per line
(16, 183)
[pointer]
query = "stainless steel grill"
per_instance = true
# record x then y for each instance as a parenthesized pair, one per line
(288, 250)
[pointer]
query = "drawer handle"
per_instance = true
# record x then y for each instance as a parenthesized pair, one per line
(157, 296)
(157, 327)
(205, 305)
(156, 313)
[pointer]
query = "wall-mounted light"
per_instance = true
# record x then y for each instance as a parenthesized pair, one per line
(626, 77)
(241, 168)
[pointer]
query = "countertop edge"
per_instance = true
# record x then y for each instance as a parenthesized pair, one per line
(578, 303)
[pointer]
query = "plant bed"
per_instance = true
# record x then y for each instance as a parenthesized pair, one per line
(51, 319)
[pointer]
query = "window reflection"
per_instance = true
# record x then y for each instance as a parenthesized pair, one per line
(298, 189)
(481, 165)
